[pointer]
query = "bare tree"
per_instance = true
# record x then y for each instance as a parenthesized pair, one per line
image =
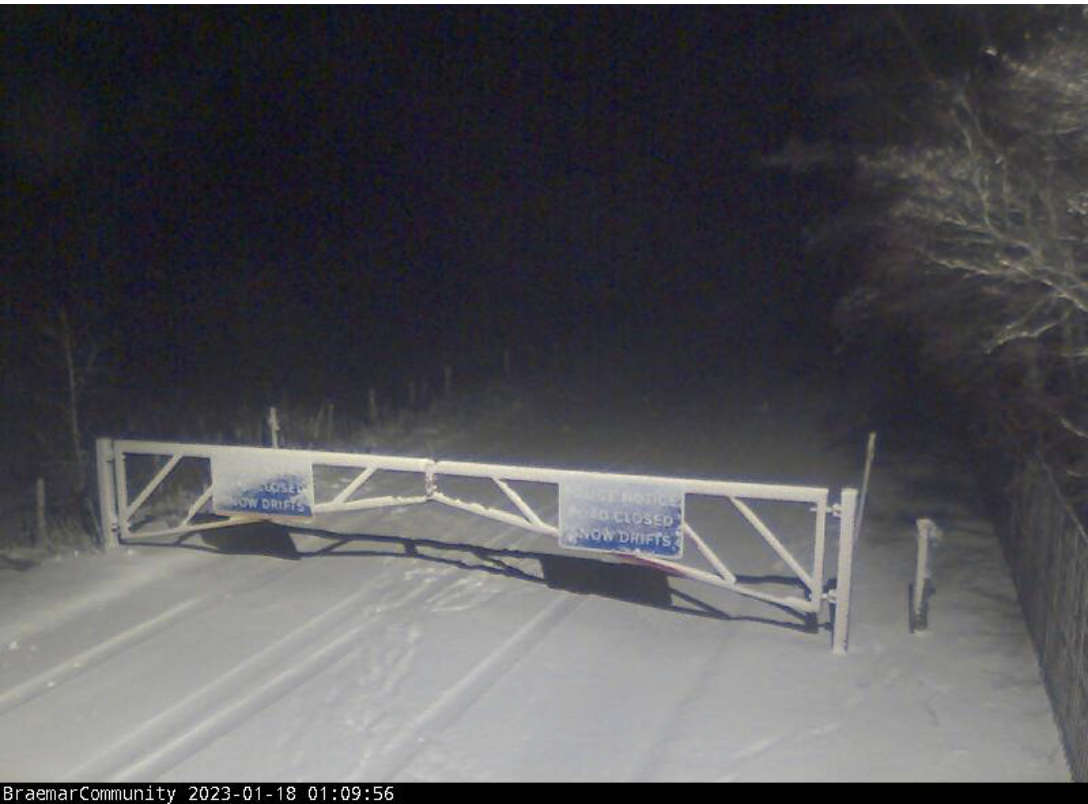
(70, 354)
(978, 246)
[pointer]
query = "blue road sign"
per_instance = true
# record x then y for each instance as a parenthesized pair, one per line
(262, 484)
(622, 516)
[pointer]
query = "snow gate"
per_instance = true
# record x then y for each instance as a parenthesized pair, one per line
(151, 491)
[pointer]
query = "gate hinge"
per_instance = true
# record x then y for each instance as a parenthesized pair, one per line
(835, 510)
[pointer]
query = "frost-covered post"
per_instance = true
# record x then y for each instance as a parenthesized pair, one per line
(841, 626)
(274, 427)
(928, 532)
(107, 494)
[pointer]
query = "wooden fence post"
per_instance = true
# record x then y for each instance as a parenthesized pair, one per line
(40, 528)
(372, 406)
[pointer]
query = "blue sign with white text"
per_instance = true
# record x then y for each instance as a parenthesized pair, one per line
(622, 516)
(262, 483)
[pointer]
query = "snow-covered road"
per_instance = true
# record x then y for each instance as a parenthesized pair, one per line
(430, 646)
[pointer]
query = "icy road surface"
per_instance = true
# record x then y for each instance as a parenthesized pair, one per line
(369, 659)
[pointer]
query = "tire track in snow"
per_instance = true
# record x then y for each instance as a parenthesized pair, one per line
(407, 743)
(74, 666)
(200, 716)
(33, 612)
(192, 737)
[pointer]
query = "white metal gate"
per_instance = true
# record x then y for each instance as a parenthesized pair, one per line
(223, 486)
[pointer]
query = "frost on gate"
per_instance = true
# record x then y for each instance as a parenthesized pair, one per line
(621, 516)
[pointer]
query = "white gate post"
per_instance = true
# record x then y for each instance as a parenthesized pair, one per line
(841, 627)
(107, 493)
(928, 532)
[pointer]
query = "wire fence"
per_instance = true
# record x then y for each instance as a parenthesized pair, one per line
(1047, 548)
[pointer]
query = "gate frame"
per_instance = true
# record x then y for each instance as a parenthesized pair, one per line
(117, 508)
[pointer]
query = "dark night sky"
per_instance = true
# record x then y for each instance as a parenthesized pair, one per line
(342, 181)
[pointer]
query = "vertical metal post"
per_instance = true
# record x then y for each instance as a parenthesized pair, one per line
(870, 453)
(819, 537)
(107, 493)
(919, 616)
(841, 626)
(120, 485)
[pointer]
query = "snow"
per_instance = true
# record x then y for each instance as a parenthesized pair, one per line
(368, 659)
